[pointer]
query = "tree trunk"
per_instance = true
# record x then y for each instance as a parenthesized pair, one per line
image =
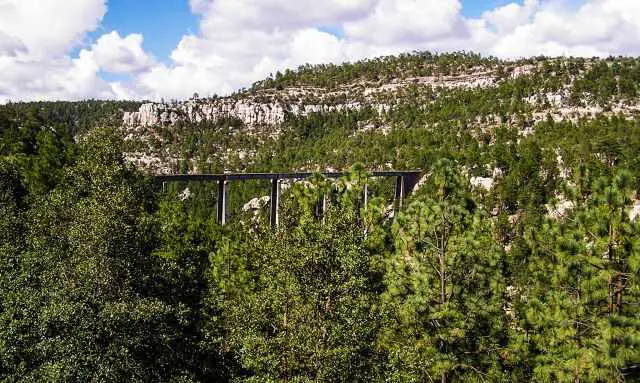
(443, 288)
(619, 289)
(610, 295)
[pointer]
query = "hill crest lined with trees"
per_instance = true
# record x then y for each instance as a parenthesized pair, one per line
(521, 94)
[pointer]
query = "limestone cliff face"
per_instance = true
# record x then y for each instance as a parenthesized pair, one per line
(268, 108)
(249, 111)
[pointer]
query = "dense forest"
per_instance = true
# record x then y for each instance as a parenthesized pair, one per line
(516, 259)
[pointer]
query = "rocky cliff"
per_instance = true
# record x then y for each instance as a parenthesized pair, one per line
(195, 111)
(518, 94)
(269, 107)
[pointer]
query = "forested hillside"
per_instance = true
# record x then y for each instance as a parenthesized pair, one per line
(516, 259)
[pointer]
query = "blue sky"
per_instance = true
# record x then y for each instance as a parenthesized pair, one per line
(161, 22)
(475, 8)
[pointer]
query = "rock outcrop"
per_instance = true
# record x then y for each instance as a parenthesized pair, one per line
(249, 112)
(269, 107)
(195, 111)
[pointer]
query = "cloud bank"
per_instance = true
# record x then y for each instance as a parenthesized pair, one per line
(242, 41)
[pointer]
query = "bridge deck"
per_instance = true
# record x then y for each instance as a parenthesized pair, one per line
(405, 182)
(272, 176)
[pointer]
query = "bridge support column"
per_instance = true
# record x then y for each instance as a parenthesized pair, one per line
(324, 208)
(274, 218)
(410, 180)
(320, 208)
(399, 195)
(222, 203)
(366, 196)
(404, 186)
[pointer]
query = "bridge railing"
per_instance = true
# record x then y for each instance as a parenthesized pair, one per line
(406, 180)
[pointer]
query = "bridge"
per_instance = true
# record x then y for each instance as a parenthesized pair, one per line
(406, 181)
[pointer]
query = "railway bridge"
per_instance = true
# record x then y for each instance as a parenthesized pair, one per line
(406, 181)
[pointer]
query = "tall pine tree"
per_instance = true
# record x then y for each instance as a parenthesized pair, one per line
(444, 288)
(579, 309)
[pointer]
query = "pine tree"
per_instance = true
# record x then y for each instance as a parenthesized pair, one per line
(444, 288)
(579, 307)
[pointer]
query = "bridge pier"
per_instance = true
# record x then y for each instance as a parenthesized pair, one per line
(323, 207)
(399, 195)
(404, 186)
(366, 196)
(274, 217)
(221, 210)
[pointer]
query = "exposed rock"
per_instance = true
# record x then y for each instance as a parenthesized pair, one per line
(565, 173)
(256, 204)
(522, 71)
(250, 113)
(469, 81)
(515, 218)
(560, 209)
(154, 164)
(269, 107)
(262, 112)
(634, 213)
(185, 195)
(384, 129)
(552, 99)
(422, 181)
(482, 182)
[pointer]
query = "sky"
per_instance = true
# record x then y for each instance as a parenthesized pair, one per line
(171, 49)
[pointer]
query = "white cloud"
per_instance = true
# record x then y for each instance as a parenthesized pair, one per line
(115, 54)
(325, 47)
(50, 27)
(596, 28)
(509, 17)
(224, 16)
(24, 79)
(242, 41)
(402, 21)
(199, 6)
(35, 38)
(10, 45)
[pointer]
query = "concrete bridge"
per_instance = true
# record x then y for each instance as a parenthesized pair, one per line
(406, 181)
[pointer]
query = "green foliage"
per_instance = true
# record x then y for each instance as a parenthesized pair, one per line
(187, 242)
(379, 69)
(305, 307)
(444, 289)
(577, 308)
(105, 278)
(74, 117)
(77, 307)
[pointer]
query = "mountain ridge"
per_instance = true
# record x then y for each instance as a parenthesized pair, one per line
(488, 93)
